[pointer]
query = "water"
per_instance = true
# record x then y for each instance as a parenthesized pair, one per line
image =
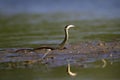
(42, 72)
(28, 24)
(86, 8)
(32, 30)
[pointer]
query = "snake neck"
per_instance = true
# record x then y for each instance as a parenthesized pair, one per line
(62, 44)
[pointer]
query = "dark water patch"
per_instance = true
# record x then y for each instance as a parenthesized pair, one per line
(83, 53)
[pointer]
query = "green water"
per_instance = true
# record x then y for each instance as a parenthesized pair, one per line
(26, 31)
(110, 72)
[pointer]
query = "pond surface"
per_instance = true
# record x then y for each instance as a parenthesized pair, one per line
(93, 47)
(110, 72)
(88, 64)
(26, 30)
